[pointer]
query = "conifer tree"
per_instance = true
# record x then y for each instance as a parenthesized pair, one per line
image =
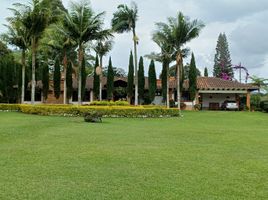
(84, 78)
(152, 81)
(45, 80)
(164, 79)
(222, 60)
(96, 83)
(141, 80)
(69, 80)
(130, 77)
(192, 78)
(110, 80)
(206, 72)
(57, 79)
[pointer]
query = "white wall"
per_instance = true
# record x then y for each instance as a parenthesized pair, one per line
(216, 98)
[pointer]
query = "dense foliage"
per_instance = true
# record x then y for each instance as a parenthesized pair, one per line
(152, 81)
(192, 79)
(141, 79)
(110, 81)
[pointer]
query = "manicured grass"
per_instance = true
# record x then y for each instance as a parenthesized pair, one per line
(204, 155)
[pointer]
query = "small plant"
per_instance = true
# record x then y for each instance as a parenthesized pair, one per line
(197, 107)
(93, 117)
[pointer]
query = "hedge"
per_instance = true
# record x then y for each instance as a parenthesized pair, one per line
(105, 111)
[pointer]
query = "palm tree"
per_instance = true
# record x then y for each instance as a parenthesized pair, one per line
(35, 19)
(83, 25)
(124, 20)
(102, 48)
(261, 83)
(18, 36)
(182, 30)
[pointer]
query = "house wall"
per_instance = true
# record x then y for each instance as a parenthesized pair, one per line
(216, 98)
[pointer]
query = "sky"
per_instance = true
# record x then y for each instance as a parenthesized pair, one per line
(243, 21)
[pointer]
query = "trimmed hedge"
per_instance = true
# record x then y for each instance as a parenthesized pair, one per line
(105, 111)
(109, 103)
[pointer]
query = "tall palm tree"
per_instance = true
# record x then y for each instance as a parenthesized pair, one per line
(261, 83)
(102, 48)
(124, 20)
(36, 17)
(183, 30)
(18, 36)
(83, 25)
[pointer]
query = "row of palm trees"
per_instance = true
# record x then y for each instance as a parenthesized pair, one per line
(66, 32)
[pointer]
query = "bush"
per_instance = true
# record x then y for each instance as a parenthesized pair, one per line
(183, 106)
(92, 117)
(197, 106)
(9, 107)
(109, 103)
(264, 105)
(105, 111)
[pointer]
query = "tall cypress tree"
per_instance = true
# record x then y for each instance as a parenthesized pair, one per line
(206, 72)
(110, 80)
(222, 61)
(130, 77)
(57, 79)
(45, 80)
(165, 66)
(192, 79)
(84, 78)
(69, 80)
(141, 79)
(96, 83)
(152, 81)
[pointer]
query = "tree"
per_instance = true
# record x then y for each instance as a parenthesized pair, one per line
(192, 79)
(141, 79)
(110, 80)
(69, 80)
(18, 36)
(96, 83)
(45, 80)
(83, 25)
(35, 19)
(222, 61)
(206, 72)
(164, 79)
(124, 20)
(152, 81)
(102, 48)
(57, 79)
(84, 77)
(182, 30)
(130, 77)
(261, 83)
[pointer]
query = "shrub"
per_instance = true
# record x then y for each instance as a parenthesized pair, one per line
(264, 105)
(197, 106)
(92, 117)
(183, 106)
(109, 103)
(9, 107)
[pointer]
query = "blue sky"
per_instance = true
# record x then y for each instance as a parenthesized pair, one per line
(244, 22)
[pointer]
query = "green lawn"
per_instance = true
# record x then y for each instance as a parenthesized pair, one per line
(204, 155)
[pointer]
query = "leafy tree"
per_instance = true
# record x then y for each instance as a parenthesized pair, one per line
(96, 83)
(57, 79)
(110, 80)
(141, 79)
(206, 72)
(192, 79)
(102, 47)
(45, 80)
(222, 61)
(130, 77)
(261, 83)
(69, 80)
(83, 25)
(124, 20)
(152, 81)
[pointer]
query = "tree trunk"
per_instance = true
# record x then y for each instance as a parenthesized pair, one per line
(33, 71)
(23, 76)
(65, 63)
(136, 68)
(80, 58)
(167, 100)
(100, 89)
(178, 65)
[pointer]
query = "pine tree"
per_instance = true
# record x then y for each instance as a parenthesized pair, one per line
(222, 60)
(45, 80)
(69, 80)
(96, 83)
(141, 80)
(110, 80)
(130, 77)
(206, 72)
(192, 79)
(84, 77)
(165, 66)
(57, 79)
(152, 81)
